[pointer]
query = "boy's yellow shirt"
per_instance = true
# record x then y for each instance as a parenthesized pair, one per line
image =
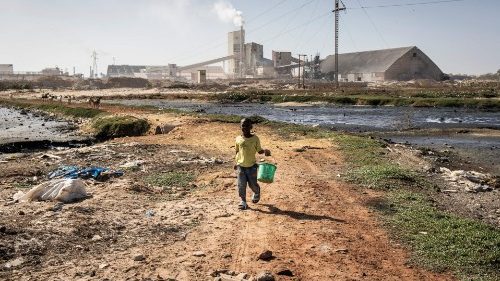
(246, 148)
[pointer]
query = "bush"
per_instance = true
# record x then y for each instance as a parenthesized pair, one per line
(119, 126)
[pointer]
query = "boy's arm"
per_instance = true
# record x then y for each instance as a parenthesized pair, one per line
(261, 150)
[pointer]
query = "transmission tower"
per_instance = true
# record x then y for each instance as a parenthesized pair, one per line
(336, 11)
(94, 73)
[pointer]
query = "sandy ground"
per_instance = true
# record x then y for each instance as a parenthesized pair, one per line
(316, 226)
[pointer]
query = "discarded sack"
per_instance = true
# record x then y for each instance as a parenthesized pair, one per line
(63, 190)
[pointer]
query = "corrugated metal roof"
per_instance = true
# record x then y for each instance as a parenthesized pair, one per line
(124, 69)
(364, 62)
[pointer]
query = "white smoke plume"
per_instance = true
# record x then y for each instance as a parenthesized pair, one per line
(227, 13)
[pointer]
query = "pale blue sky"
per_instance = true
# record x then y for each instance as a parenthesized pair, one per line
(461, 37)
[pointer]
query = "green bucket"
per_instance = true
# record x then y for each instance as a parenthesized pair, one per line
(266, 172)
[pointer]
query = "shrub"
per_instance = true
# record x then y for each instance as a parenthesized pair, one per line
(119, 126)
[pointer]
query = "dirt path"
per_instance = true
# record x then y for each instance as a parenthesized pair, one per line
(316, 226)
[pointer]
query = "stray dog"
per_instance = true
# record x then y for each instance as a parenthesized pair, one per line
(95, 102)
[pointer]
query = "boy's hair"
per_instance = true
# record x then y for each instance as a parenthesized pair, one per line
(246, 122)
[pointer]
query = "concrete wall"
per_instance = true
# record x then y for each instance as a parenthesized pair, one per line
(413, 65)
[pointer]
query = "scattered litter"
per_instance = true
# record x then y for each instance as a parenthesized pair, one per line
(200, 160)
(74, 172)
(150, 213)
(133, 165)
(471, 181)
(199, 254)
(17, 262)
(63, 190)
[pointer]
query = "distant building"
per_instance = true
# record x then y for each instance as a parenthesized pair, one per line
(400, 64)
(51, 71)
(125, 70)
(236, 45)
(6, 69)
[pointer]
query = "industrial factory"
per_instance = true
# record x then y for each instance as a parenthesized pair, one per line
(246, 60)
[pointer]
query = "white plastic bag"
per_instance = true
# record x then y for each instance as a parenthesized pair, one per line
(63, 190)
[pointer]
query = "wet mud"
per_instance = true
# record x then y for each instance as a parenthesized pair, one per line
(21, 129)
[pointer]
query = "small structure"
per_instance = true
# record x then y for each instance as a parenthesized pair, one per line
(400, 64)
(202, 76)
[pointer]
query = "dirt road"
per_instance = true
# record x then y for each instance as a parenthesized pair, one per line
(316, 226)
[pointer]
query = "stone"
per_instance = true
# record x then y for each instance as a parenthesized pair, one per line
(14, 263)
(264, 276)
(285, 272)
(266, 255)
(103, 265)
(139, 257)
(199, 254)
(96, 238)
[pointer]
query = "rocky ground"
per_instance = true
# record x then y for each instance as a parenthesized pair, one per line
(135, 227)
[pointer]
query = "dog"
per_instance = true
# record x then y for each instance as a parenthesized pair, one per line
(95, 102)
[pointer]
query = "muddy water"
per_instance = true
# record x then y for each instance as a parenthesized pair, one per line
(349, 118)
(19, 128)
(433, 125)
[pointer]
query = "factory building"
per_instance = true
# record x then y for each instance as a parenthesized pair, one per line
(246, 60)
(399, 64)
(6, 69)
(235, 45)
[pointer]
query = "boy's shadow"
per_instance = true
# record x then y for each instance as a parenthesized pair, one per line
(295, 215)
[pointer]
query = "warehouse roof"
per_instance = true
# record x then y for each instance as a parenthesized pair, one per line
(364, 62)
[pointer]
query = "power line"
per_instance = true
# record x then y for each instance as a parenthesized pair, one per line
(406, 4)
(374, 25)
(281, 16)
(267, 11)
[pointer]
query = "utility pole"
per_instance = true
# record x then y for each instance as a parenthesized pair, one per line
(336, 11)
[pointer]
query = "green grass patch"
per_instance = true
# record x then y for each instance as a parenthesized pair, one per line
(119, 126)
(441, 241)
(170, 179)
(385, 176)
(79, 112)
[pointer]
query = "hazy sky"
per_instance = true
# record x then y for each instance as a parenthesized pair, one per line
(461, 36)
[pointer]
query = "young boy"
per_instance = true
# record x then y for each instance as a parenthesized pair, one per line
(246, 164)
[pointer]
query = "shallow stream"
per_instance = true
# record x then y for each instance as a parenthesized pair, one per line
(430, 126)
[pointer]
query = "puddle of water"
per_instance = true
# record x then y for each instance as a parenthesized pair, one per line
(23, 127)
